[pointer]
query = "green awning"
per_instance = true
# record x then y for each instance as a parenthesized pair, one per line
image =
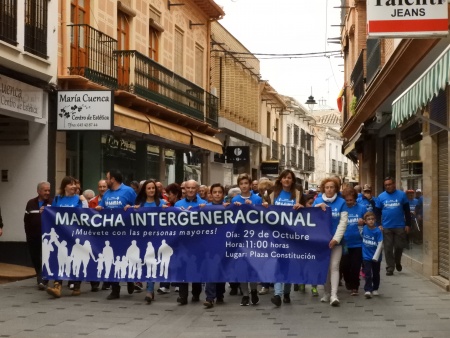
(422, 90)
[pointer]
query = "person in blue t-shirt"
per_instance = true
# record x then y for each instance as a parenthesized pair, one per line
(247, 197)
(285, 193)
(148, 197)
(190, 200)
(352, 260)
(394, 216)
(330, 199)
(367, 199)
(372, 239)
(119, 195)
(215, 290)
(68, 198)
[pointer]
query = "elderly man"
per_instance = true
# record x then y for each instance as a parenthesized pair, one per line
(394, 217)
(189, 201)
(203, 192)
(101, 188)
(32, 223)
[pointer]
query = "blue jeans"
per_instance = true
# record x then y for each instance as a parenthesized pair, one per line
(372, 272)
(150, 286)
(282, 289)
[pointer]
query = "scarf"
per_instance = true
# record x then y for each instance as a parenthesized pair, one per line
(329, 199)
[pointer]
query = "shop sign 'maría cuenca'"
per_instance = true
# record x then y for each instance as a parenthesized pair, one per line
(85, 110)
(407, 18)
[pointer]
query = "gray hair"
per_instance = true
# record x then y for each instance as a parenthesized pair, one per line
(88, 194)
(40, 184)
(233, 192)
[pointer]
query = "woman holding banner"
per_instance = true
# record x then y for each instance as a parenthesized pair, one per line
(149, 198)
(67, 197)
(330, 199)
(285, 193)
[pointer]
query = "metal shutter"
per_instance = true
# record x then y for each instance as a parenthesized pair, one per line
(443, 239)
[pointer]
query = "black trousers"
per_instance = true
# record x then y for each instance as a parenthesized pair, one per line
(35, 249)
(351, 266)
(184, 289)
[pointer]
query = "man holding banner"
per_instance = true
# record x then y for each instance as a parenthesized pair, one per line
(118, 196)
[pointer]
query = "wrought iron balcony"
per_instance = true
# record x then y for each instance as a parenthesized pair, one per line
(91, 55)
(143, 76)
(357, 77)
(275, 150)
(8, 22)
(293, 157)
(373, 59)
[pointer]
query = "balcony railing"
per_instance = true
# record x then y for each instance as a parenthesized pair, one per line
(300, 160)
(311, 163)
(357, 77)
(339, 168)
(373, 59)
(333, 166)
(92, 55)
(293, 157)
(282, 155)
(143, 76)
(8, 21)
(345, 169)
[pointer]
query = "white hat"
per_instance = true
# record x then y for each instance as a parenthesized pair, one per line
(418, 190)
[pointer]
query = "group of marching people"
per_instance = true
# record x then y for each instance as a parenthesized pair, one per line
(355, 239)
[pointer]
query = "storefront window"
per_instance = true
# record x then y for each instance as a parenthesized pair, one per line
(411, 182)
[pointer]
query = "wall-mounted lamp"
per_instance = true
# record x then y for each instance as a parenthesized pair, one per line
(169, 4)
(275, 129)
(194, 24)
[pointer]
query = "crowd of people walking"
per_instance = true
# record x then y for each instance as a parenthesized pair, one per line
(361, 225)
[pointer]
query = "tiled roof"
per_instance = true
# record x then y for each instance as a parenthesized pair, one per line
(332, 118)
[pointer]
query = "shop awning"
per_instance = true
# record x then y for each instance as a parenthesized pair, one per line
(351, 143)
(422, 90)
(133, 120)
(206, 142)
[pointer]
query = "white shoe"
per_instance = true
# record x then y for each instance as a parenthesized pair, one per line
(368, 294)
(375, 293)
(325, 298)
(264, 291)
(334, 301)
(177, 289)
(162, 291)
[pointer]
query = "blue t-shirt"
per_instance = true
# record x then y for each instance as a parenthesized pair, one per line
(412, 204)
(336, 208)
(352, 236)
(211, 203)
(370, 239)
(67, 201)
(284, 198)
(367, 203)
(185, 203)
(118, 198)
(253, 197)
(391, 205)
(153, 204)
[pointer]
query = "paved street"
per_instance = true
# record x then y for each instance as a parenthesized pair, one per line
(409, 306)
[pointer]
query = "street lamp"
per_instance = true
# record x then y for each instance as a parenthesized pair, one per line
(311, 102)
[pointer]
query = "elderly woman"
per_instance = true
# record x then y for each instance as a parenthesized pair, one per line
(330, 199)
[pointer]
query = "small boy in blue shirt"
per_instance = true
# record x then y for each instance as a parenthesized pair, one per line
(372, 239)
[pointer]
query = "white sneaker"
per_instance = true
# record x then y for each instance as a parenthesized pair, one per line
(368, 294)
(264, 291)
(334, 301)
(177, 289)
(375, 293)
(325, 298)
(162, 291)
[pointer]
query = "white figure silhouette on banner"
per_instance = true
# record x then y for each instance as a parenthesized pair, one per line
(117, 267)
(134, 261)
(53, 236)
(77, 256)
(86, 256)
(63, 255)
(164, 254)
(47, 248)
(123, 267)
(150, 261)
(100, 261)
(108, 256)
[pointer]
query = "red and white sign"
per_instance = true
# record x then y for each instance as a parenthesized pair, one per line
(407, 18)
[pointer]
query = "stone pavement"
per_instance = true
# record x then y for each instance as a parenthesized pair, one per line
(409, 306)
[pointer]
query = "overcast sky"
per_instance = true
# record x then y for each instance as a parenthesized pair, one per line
(290, 27)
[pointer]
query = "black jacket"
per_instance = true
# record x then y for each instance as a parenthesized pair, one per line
(32, 218)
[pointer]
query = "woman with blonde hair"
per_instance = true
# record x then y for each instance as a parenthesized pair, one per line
(330, 199)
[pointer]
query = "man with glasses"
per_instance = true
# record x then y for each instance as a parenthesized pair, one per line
(394, 218)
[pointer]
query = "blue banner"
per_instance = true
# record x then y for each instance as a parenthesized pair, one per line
(211, 244)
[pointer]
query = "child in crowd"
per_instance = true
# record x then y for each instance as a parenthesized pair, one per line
(372, 238)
